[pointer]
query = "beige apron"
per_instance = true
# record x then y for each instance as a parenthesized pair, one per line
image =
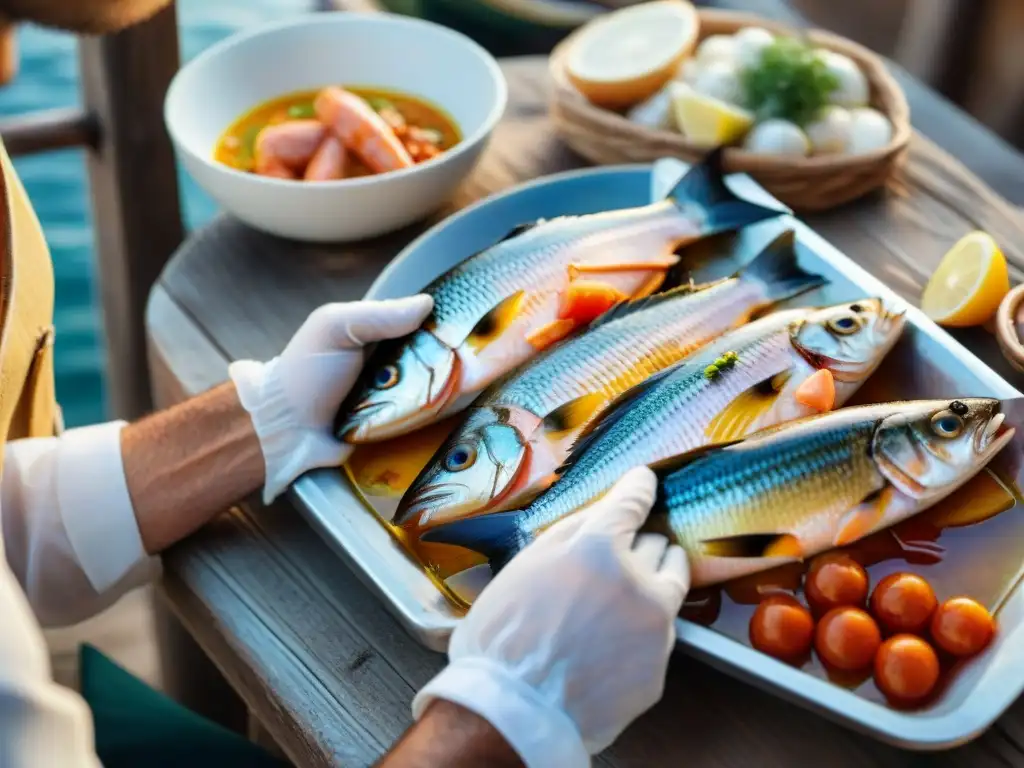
(28, 406)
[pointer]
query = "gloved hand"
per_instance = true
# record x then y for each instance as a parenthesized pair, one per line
(293, 398)
(570, 642)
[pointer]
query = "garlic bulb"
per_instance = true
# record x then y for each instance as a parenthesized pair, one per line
(830, 133)
(719, 80)
(716, 48)
(869, 130)
(777, 137)
(749, 43)
(688, 71)
(656, 111)
(853, 90)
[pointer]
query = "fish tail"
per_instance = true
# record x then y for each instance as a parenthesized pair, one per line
(777, 268)
(721, 209)
(497, 536)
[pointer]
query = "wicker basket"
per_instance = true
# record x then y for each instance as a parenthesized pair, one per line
(804, 183)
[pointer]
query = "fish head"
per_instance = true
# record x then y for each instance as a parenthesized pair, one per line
(405, 385)
(848, 339)
(473, 471)
(929, 449)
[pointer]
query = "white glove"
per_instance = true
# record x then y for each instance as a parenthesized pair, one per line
(294, 398)
(570, 642)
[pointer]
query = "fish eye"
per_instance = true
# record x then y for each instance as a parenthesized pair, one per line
(459, 458)
(386, 377)
(947, 424)
(844, 325)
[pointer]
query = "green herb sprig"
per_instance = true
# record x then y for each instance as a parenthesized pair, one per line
(789, 82)
(722, 363)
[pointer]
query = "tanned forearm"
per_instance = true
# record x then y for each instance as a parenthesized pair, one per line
(453, 737)
(186, 464)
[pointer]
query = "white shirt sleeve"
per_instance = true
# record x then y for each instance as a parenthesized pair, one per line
(70, 546)
(69, 529)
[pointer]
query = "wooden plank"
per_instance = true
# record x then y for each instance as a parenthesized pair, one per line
(134, 189)
(311, 651)
(47, 130)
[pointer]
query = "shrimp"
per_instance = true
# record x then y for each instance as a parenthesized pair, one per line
(361, 130)
(328, 162)
(287, 146)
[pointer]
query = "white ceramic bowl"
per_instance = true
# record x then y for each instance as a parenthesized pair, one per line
(370, 50)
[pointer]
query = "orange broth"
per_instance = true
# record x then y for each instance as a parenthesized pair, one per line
(235, 147)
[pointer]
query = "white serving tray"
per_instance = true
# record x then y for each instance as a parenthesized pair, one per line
(927, 362)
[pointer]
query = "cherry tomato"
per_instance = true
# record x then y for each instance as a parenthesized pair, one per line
(906, 668)
(903, 602)
(835, 580)
(962, 626)
(847, 639)
(781, 627)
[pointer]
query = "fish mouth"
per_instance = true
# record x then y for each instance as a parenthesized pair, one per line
(419, 510)
(356, 428)
(890, 321)
(995, 434)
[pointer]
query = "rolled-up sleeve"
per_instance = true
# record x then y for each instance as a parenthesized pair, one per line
(69, 529)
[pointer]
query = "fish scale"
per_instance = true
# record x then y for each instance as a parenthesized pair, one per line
(677, 418)
(765, 487)
(687, 400)
(541, 257)
(597, 361)
(504, 305)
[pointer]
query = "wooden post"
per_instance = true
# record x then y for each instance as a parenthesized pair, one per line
(134, 189)
(937, 42)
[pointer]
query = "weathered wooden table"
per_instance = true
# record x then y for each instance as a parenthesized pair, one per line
(326, 670)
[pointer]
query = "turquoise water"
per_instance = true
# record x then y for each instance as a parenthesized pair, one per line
(57, 186)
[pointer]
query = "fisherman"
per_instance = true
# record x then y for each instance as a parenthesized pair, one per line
(538, 671)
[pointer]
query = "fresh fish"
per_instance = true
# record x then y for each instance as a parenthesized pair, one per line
(502, 306)
(792, 492)
(704, 400)
(520, 431)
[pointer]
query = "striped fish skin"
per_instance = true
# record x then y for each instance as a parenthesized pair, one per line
(805, 488)
(623, 353)
(518, 433)
(502, 451)
(682, 409)
(501, 307)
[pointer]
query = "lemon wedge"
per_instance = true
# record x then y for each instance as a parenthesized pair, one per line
(706, 120)
(970, 282)
(625, 56)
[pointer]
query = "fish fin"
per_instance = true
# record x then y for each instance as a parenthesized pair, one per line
(754, 545)
(636, 305)
(549, 334)
(608, 417)
(859, 521)
(497, 319)
(496, 535)
(786, 545)
(672, 464)
(817, 391)
(586, 300)
(655, 265)
(519, 229)
(733, 421)
(570, 415)
(703, 186)
(650, 285)
(983, 497)
(777, 269)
